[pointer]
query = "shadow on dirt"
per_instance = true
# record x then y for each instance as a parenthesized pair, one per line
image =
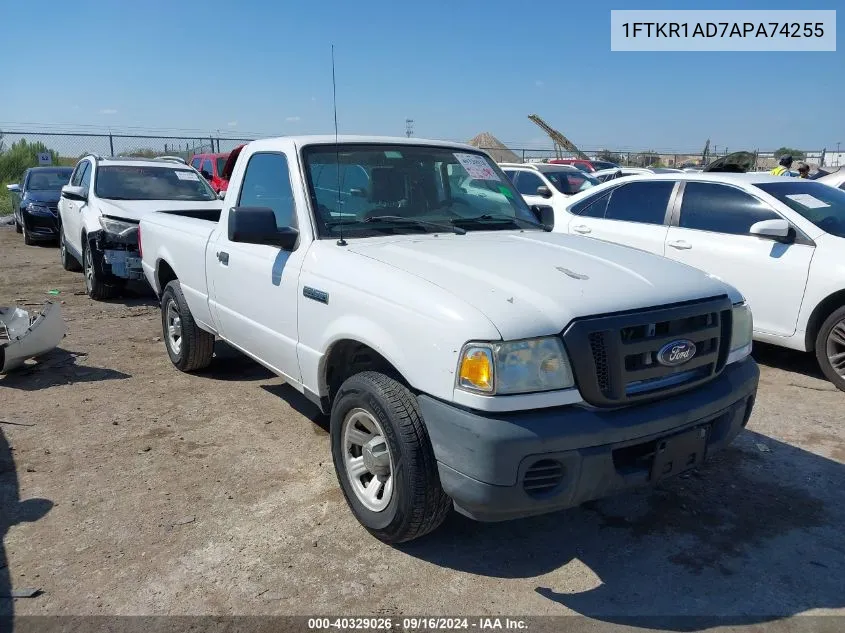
(12, 512)
(299, 403)
(787, 360)
(230, 364)
(753, 536)
(57, 367)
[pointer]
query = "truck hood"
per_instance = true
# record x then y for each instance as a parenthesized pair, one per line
(535, 283)
(137, 209)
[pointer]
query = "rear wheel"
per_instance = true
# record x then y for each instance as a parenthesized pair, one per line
(95, 286)
(830, 348)
(68, 261)
(189, 347)
(383, 459)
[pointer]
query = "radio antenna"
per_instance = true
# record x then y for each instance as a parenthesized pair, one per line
(341, 241)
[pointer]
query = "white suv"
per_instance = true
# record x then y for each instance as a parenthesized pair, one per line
(100, 209)
(548, 184)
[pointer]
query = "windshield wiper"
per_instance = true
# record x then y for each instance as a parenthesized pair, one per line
(488, 218)
(398, 218)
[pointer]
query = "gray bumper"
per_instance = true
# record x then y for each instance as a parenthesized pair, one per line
(483, 458)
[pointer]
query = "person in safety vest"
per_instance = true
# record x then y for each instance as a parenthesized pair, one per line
(784, 164)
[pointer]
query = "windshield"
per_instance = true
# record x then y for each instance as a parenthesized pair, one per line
(387, 189)
(821, 204)
(130, 182)
(221, 163)
(570, 181)
(48, 179)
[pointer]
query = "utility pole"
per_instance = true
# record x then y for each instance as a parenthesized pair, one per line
(409, 127)
(837, 153)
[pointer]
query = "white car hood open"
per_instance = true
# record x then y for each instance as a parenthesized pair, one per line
(136, 209)
(535, 283)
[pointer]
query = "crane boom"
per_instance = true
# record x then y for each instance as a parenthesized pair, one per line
(561, 142)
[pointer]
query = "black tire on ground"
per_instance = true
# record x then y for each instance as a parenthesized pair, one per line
(418, 504)
(95, 285)
(830, 342)
(195, 347)
(18, 227)
(26, 238)
(68, 261)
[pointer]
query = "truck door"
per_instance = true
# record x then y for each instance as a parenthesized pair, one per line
(254, 286)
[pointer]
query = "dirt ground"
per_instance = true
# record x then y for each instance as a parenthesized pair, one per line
(127, 487)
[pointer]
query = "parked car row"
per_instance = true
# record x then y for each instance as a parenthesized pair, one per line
(472, 349)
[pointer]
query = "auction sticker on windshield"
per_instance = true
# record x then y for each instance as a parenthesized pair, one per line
(477, 166)
(806, 200)
(187, 175)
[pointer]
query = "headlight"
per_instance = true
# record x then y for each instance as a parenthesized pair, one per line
(118, 227)
(515, 367)
(742, 332)
(38, 209)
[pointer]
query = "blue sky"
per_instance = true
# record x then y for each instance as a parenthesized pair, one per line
(456, 67)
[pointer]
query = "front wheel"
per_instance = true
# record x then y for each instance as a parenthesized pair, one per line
(830, 348)
(18, 227)
(383, 459)
(27, 238)
(95, 286)
(189, 347)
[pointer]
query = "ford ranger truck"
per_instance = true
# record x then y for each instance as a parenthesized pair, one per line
(467, 356)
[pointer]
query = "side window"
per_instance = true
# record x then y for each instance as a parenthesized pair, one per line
(643, 202)
(266, 183)
(76, 177)
(527, 183)
(85, 180)
(510, 173)
(721, 209)
(592, 207)
(196, 163)
(207, 167)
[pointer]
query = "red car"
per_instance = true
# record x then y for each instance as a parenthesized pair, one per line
(211, 167)
(588, 166)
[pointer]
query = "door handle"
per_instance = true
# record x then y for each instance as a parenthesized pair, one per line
(681, 245)
(223, 258)
(582, 228)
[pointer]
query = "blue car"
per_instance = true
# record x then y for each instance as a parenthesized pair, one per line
(36, 213)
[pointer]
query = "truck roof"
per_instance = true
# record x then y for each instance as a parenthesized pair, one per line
(322, 139)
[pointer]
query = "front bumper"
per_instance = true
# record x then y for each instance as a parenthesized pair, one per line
(116, 257)
(486, 461)
(40, 227)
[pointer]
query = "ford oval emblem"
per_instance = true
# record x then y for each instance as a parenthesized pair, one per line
(676, 353)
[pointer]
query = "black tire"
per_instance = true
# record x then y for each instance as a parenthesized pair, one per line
(69, 262)
(95, 285)
(26, 238)
(18, 227)
(830, 341)
(196, 347)
(418, 504)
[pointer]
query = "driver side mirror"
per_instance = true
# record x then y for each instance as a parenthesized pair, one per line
(72, 192)
(545, 215)
(13, 188)
(544, 191)
(778, 230)
(257, 225)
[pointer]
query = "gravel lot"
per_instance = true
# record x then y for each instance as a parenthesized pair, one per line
(127, 487)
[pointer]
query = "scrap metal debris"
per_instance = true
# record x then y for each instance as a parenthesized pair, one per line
(24, 592)
(23, 336)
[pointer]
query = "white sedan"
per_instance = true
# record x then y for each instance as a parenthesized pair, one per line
(778, 240)
(834, 179)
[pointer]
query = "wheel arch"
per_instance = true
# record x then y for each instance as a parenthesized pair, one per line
(346, 357)
(823, 310)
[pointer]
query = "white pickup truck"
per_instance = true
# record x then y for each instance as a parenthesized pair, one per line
(466, 355)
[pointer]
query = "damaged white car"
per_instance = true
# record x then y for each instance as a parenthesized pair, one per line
(100, 209)
(23, 336)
